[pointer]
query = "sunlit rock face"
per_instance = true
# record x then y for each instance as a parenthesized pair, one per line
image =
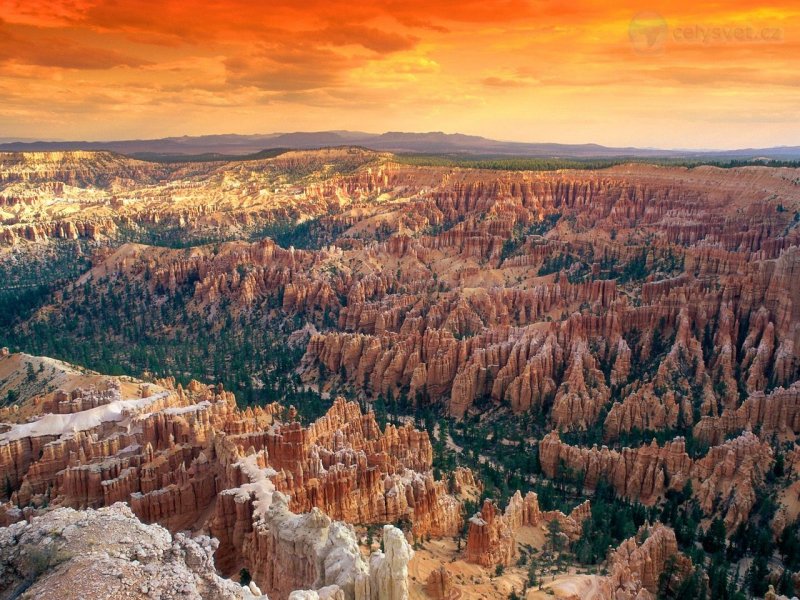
(109, 553)
(276, 496)
(604, 309)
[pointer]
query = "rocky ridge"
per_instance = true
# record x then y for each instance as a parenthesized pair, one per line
(108, 553)
(611, 306)
(174, 454)
(725, 479)
(491, 537)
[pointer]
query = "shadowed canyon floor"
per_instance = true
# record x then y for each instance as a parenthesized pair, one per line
(574, 383)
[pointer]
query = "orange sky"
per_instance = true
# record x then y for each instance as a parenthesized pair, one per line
(667, 74)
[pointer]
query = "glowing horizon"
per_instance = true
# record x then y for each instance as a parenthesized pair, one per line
(688, 75)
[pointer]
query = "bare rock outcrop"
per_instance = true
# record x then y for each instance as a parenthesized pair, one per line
(726, 479)
(440, 585)
(491, 537)
(637, 564)
(388, 570)
(723, 480)
(777, 412)
(274, 493)
(107, 553)
(642, 474)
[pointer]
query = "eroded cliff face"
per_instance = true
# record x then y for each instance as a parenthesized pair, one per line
(724, 480)
(51, 196)
(569, 369)
(492, 535)
(108, 553)
(453, 286)
(389, 568)
(439, 585)
(420, 314)
(455, 347)
(637, 564)
(275, 494)
(776, 412)
(607, 304)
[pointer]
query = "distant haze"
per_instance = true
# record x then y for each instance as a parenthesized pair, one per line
(401, 142)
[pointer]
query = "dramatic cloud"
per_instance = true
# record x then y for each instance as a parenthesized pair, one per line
(35, 48)
(679, 73)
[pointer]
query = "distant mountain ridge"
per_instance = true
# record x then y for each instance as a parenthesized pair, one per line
(434, 142)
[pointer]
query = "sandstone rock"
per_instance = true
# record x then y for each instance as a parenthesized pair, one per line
(181, 451)
(636, 565)
(388, 571)
(108, 553)
(724, 479)
(777, 412)
(668, 290)
(642, 473)
(440, 585)
(491, 537)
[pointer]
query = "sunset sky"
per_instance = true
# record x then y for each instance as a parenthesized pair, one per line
(681, 74)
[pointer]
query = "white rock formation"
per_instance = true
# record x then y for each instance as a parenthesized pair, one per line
(108, 554)
(327, 593)
(388, 572)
